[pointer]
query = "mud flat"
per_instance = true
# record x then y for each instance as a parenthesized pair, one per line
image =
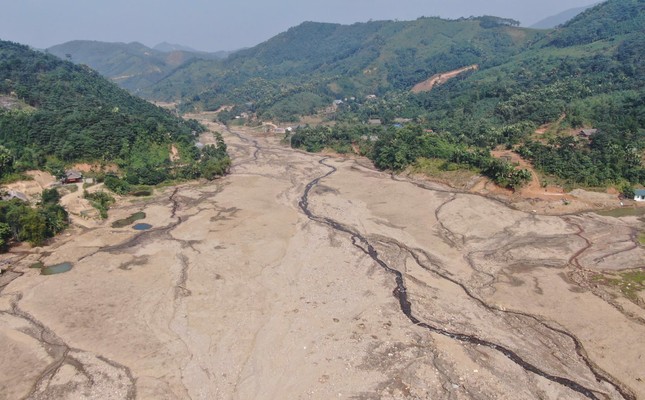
(300, 276)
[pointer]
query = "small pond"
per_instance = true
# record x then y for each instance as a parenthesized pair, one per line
(56, 269)
(127, 221)
(142, 227)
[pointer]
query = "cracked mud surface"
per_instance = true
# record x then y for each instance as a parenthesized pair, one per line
(300, 276)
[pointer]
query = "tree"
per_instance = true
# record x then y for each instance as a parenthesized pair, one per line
(5, 235)
(117, 185)
(50, 196)
(6, 161)
(34, 227)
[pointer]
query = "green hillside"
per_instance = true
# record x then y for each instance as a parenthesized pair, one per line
(608, 20)
(323, 61)
(587, 74)
(132, 66)
(69, 113)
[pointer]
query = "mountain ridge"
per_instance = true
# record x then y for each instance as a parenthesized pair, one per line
(358, 59)
(170, 47)
(556, 20)
(133, 65)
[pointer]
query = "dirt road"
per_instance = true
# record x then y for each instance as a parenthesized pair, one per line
(305, 277)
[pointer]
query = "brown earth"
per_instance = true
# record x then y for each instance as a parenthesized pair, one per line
(33, 188)
(85, 167)
(549, 199)
(306, 276)
(440, 79)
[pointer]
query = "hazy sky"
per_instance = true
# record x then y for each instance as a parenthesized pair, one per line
(227, 24)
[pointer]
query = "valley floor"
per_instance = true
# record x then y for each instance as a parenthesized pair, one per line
(305, 277)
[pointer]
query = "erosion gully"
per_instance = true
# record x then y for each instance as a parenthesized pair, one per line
(401, 293)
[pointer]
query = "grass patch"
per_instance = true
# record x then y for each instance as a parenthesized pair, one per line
(641, 238)
(15, 177)
(101, 201)
(456, 174)
(628, 283)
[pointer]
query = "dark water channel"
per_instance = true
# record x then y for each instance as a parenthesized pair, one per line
(400, 292)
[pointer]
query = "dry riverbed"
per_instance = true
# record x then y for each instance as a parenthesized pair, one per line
(303, 277)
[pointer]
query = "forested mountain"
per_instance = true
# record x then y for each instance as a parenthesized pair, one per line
(588, 73)
(315, 62)
(130, 65)
(559, 19)
(68, 112)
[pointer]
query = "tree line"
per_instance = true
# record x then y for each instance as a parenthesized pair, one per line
(22, 223)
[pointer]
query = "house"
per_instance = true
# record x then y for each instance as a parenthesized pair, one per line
(72, 176)
(374, 121)
(586, 133)
(639, 194)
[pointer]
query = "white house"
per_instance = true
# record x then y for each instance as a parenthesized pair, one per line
(639, 194)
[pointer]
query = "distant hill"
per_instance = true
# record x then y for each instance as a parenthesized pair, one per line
(132, 66)
(170, 47)
(609, 20)
(559, 19)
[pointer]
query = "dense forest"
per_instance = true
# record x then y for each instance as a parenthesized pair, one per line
(21, 222)
(395, 148)
(61, 113)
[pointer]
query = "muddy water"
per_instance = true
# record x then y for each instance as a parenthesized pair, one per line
(56, 269)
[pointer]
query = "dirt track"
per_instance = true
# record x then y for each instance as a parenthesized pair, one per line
(300, 276)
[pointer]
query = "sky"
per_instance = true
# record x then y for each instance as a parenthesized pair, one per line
(230, 24)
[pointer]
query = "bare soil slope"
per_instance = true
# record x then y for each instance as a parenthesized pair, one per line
(440, 79)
